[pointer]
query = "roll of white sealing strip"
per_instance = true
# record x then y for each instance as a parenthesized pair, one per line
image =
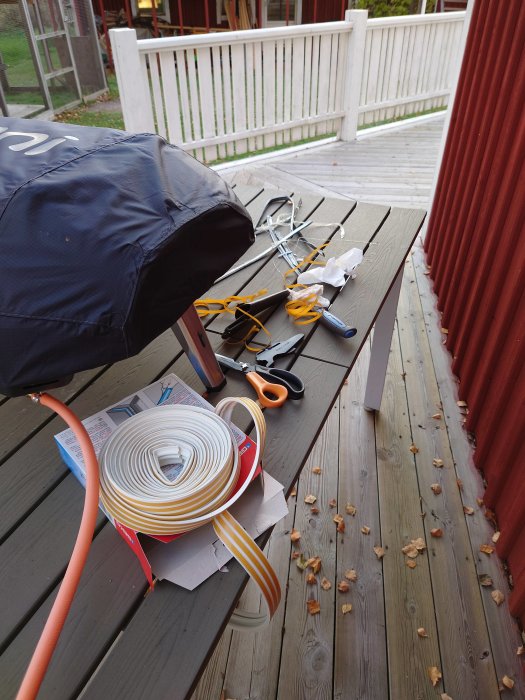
(197, 446)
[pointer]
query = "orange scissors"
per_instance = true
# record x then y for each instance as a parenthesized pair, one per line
(270, 395)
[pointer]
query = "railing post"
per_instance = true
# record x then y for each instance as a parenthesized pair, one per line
(132, 81)
(354, 72)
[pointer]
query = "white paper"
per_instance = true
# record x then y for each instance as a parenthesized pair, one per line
(191, 559)
(335, 271)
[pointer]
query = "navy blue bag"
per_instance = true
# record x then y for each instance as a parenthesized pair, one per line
(106, 238)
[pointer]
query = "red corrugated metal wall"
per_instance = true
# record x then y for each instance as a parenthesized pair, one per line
(476, 250)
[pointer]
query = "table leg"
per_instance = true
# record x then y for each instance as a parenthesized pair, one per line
(190, 333)
(381, 343)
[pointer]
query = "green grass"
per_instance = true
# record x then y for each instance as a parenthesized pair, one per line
(83, 116)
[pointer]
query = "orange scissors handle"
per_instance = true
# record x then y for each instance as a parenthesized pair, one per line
(270, 395)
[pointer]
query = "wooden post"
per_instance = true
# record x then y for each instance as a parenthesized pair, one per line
(132, 81)
(354, 72)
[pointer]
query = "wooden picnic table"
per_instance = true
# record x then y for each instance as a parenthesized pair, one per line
(119, 640)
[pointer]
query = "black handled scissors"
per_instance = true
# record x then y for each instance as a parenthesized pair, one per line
(273, 379)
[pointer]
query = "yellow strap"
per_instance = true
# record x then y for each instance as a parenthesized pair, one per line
(137, 493)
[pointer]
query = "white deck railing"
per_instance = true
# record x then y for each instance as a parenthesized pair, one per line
(225, 94)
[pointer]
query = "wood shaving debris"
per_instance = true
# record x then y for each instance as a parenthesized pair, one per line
(485, 580)
(437, 462)
(437, 416)
(314, 510)
(337, 518)
(413, 449)
(365, 530)
(311, 580)
(496, 536)
(498, 597)
(325, 584)
(346, 608)
(293, 492)
(350, 509)
(310, 499)
(341, 527)
(317, 470)
(479, 501)
(410, 550)
(486, 549)
(380, 552)
(343, 587)
(436, 532)
(314, 563)
(507, 682)
(351, 575)
(411, 563)
(295, 535)
(332, 503)
(420, 544)
(422, 632)
(468, 510)
(314, 607)
(436, 488)
(434, 674)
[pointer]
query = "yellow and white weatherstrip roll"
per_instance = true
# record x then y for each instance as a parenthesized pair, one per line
(137, 492)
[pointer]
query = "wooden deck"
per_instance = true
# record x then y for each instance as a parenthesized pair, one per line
(383, 465)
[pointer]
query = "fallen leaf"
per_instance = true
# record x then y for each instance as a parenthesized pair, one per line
(490, 515)
(413, 449)
(317, 470)
(459, 484)
(343, 587)
(313, 606)
(444, 331)
(380, 552)
(434, 675)
(468, 510)
(520, 651)
(293, 492)
(351, 575)
(325, 584)
(365, 530)
(507, 682)
(437, 416)
(498, 597)
(337, 518)
(332, 503)
(341, 527)
(495, 536)
(295, 535)
(314, 510)
(346, 608)
(479, 501)
(485, 580)
(411, 563)
(445, 696)
(314, 563)
(310, 499)
(461, 404)
(295, 555)
(437, 462)
(436, 532)
(311, 580)
(410, 550)
(422, 632)
(301, 563)
(350, 509)
(436, 488)
(486, 549)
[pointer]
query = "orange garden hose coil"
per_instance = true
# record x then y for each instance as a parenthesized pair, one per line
(135, 490)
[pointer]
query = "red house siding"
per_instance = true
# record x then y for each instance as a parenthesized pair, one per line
(476, 249)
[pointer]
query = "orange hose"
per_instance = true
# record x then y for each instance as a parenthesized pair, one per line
(46, 645)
